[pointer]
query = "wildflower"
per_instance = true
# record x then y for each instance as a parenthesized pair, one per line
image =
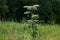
(28, 12)
(34, 7)
(35, 16)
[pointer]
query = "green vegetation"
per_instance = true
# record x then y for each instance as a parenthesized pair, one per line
(49, 10)
(15, 25)
(21, 31)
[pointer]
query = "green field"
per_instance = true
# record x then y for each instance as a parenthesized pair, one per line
(21, 31)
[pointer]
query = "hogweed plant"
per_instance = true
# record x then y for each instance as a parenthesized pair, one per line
(33, 20)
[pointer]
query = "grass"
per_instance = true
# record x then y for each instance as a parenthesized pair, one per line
(20, 31)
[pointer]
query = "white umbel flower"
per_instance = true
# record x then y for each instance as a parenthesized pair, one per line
(29, 21)
(34, 7)
(28, 12)
(35, 16)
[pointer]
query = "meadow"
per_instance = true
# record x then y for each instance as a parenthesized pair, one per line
(21, 31)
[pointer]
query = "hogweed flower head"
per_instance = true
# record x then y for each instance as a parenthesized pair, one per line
(28, 12)
(34, 7)
(34, 17)
(31, 10)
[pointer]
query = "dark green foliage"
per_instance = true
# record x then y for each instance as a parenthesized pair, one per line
(48, 11)
(3, 9)
(34, 30)
(56, 10)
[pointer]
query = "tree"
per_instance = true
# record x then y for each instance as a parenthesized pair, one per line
(56, 10)
(3, 9)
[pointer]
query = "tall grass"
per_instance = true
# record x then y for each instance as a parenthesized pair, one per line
(20, 31)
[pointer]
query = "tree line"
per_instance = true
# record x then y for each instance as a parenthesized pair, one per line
(49, 10)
